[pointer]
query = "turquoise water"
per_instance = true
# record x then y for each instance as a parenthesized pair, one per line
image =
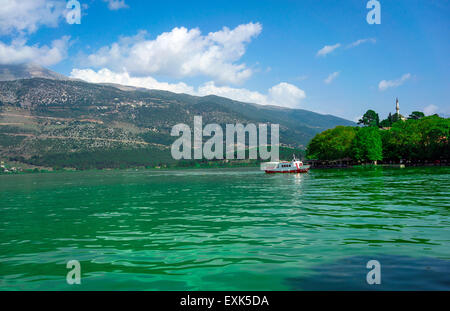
(230, 229)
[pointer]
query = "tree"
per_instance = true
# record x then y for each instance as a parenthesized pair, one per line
(367, 145)
(416, 115)
(332, 144)
(387, 122)
(422, 139)
(401, 141)
(370, 118)
(435, 133)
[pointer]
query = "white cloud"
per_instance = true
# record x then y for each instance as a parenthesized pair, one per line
(361, 41)
(20, 16)
(385, 84)
(116, 4)
(239, 94)
(282, 94)
(19, 19)
(18, 52)
(180, 53)
(430, 109)
(331, 77)
(107, 76)
(327, 49)
(286, 95)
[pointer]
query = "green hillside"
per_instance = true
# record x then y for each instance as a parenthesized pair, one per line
(45, 121)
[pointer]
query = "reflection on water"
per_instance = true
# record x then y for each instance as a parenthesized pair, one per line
(233, 229)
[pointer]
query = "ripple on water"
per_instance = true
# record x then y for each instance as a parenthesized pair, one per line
(226, 229)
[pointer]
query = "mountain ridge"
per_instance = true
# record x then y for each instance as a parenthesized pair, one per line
(44, 119)
(28, 71)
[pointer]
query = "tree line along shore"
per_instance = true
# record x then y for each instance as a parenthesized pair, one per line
(416, 140)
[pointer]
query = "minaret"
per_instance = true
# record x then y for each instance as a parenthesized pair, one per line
(397, 107)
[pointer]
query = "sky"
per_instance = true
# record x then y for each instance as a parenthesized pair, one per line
(318, 55)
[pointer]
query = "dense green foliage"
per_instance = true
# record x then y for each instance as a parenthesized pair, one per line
(367, 145)
(416, 115)
(416, 139)
(388, 121)
(332, 144)
(370, 118)
(392, 118)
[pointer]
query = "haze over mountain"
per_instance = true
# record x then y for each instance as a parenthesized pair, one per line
(50, 119)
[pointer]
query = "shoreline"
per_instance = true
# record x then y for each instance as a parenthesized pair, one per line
(138, 168)
(372, 166)
(405, 165)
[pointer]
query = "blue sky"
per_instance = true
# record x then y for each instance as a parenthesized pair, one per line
(258, 51)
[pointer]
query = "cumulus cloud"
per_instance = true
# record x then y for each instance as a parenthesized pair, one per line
(430, 110)
(282, 94)
(26, 16)
(327, 49)
(331, 77)
(361, 41)
(239, 94)
(181, 53)
(116, 4)
(107, 76)
(385, 84)
(18, 52)
(286, 95)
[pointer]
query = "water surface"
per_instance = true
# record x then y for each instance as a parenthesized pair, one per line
(226, 229)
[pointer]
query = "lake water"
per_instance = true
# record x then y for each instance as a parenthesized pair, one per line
(226, 229)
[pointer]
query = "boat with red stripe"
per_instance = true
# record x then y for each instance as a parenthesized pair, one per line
(294, 166)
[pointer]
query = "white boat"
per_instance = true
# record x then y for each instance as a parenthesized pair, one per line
(294, 166)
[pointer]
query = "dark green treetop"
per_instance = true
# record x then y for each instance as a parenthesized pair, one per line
(370, 118)
(388, 121)
(416, 115)
(367, 145)
(332, 144)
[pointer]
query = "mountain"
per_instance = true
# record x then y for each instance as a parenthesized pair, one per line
(52, 122)
(27, 71)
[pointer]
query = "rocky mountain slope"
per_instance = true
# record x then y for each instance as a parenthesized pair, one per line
(45, 121)
(27, 71)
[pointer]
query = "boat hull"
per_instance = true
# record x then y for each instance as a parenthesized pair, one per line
(300, 170)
